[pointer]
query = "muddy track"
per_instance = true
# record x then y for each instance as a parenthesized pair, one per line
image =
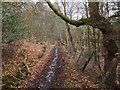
(51, 74)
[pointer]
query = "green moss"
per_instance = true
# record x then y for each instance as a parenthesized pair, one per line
(23, 72)
(87, 20)
(65, 18)
(74, 21)
(8, 82)
(7, 87)
(21, 75)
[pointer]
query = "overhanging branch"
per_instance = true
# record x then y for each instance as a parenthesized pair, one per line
(77, 23)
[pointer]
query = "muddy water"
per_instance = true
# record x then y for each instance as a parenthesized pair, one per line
(50, 73)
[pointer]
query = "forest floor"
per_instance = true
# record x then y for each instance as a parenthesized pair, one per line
(24, 61)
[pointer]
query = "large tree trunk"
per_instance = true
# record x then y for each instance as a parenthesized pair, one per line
(109, 38)
(112, 50)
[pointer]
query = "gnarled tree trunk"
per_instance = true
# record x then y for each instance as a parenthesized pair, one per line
(111, 48)
(109, 38)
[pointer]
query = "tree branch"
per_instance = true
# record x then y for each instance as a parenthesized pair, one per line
(77, 23)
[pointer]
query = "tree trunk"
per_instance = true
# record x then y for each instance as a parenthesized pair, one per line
(109, 38)
(111, 73)
(98, 50)
(68, 28)
(94, 44)
(111, 49)
(70, 38)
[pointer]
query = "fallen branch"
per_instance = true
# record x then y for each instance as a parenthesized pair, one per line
(87, 62)
(80, 55)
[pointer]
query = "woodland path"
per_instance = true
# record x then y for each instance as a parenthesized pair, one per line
(53, 74)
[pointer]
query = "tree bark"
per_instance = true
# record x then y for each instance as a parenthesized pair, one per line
(111, 49)
(109, 38)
